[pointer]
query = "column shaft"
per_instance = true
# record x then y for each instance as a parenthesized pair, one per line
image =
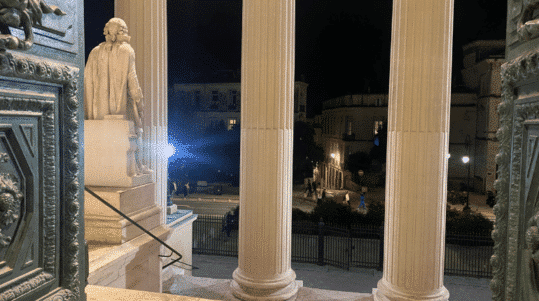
(418, 133)
(267, 87)
(147, 24)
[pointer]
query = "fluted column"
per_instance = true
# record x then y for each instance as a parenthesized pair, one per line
(147, 24)
(267, 87)
(418, 132)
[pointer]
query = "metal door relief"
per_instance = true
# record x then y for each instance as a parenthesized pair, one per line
(529, 224)
(40, 214)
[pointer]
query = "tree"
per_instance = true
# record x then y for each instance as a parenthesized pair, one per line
(306, 152)
(356, 162)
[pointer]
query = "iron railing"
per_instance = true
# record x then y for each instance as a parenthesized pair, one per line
(357, 246)
(173, 251)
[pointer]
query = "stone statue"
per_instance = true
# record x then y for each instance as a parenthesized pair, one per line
(111, 87)
(22, 13)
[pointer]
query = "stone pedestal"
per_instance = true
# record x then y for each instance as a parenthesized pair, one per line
(264, 257)
(172, 209)
(106, 226)
(109, 154)
(418, 132)
(132, 265)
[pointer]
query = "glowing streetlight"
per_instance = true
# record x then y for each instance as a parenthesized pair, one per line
(333, 155)
(169, 150)
(465, 159)
(448, 156)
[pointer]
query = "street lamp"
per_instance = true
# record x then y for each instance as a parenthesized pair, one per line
(466, 160)
(360, 173)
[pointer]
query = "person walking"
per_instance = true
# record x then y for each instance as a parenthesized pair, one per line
(347, 199)
(309, 188)
(314, 190)
(362, 202)
(186, 190)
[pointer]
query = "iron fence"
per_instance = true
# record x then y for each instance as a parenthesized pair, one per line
(357, 246)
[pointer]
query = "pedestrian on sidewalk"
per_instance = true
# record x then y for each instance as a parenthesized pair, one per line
(186, 190)
(314, 189)
(347, 199)
(309, 189)
(362, 202)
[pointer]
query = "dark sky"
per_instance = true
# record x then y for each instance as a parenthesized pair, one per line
(342, 47)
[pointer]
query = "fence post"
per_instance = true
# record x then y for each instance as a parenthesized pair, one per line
(350, 248)
(321, 242)
(381, 259)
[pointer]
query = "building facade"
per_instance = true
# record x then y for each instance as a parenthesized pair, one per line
(219, 103)
(351, 123)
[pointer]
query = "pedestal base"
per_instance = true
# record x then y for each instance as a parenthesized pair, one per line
(283, 288)
(109, 154)
(386, 292)
(172, 209)
(133, 265)
(102, 224)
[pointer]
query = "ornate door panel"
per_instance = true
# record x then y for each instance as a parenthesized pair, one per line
(27, 128)
(516, 234)
(41, 251)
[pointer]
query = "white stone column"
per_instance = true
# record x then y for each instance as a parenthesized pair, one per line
(267, 87)
(418, 133)
(147, 24)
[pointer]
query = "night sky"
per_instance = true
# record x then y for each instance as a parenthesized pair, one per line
(342, 47)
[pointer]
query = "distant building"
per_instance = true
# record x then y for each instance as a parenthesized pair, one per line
(219, 102)
(350, 123)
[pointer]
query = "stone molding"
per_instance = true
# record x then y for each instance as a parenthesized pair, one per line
(19, 66)
(513, 115)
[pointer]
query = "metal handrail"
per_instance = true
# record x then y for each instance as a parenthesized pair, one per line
(144, 230)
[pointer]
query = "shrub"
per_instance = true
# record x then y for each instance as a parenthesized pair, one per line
(456, 197)
(467, 223)
(457, 222)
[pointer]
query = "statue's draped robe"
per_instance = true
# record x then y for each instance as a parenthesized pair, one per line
(109, 75)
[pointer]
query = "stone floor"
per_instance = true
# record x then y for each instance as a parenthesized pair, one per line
(213, 277)
(219, 289)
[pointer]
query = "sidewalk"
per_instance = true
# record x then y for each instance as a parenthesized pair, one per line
(357, 280)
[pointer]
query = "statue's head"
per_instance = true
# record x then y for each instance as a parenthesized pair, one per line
(116, 30)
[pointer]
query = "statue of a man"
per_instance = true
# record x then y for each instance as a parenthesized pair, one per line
(111, 86)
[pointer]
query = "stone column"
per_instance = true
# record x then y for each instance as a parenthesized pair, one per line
(147, 24)
(418, 134)
(267, 87)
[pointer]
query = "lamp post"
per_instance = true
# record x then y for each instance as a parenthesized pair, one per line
(361, 173)
(466, 160)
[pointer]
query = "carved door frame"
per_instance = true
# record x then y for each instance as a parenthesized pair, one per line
(63, 266)
(517, 169)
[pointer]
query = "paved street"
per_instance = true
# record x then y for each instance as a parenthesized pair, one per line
(212, 206)
(221, 204)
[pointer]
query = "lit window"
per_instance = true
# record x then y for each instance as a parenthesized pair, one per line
(378, 125)
(232, 123)
(348, 129)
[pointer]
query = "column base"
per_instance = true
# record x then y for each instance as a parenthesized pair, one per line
(387, 292)
(283, 288)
